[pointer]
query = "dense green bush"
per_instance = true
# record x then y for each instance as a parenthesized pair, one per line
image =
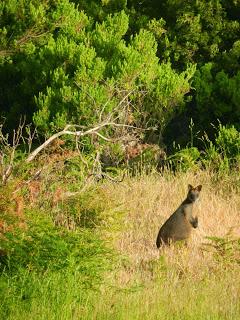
(42, 247)
(185, 159)
(217, 96)
(223, 153)
(31, 241)
(69, 70)
(220, 154)
(197, 31)
(201, 32)
(102, 72)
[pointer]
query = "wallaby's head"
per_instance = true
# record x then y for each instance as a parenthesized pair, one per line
(193, 193)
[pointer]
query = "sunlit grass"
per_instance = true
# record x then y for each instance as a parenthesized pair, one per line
(200, 281)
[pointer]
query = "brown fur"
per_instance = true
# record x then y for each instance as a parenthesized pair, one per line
(179, 225)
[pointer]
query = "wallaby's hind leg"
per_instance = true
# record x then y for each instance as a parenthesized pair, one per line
(162, 240)
(159, 241)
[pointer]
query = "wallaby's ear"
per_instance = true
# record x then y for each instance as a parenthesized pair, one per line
(199, 188)
(190, 187)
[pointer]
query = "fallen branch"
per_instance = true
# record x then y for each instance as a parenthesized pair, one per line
(80, 133)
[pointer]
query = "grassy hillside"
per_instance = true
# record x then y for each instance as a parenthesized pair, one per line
(90, 254)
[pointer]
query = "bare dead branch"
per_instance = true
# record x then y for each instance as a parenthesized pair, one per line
(33, 154)
(8, 150)
(104, 138)
(66, 130)
(6, 173)
(87, 184)
(31, 134)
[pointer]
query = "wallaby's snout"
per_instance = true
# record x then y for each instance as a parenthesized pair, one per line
(179, 225)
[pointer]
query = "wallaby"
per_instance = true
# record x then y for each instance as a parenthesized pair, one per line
(179, 225)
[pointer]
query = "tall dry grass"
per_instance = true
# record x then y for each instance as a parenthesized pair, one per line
(149, 200)
(178, 282)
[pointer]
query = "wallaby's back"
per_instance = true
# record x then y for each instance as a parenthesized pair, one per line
(179, 225)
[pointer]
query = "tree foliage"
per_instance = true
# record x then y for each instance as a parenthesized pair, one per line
(75, 61)
(78, 71)
(217, 95)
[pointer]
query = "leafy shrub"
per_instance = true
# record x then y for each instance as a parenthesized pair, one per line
(44, 247)
(228, 141)
(216, 96)
(223, 153)
(184, 159)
